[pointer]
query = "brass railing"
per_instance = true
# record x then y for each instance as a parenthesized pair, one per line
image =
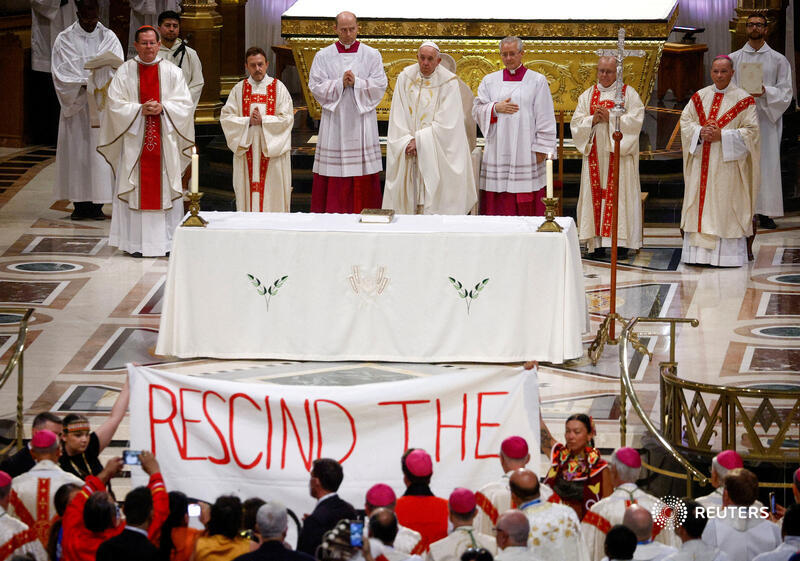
(16, 361)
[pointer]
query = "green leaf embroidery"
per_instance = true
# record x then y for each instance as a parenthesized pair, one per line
(267, 291)
(468, 295)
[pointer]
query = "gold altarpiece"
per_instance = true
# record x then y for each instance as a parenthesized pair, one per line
(564, 51)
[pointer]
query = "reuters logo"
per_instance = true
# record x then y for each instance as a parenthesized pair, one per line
(669, 513)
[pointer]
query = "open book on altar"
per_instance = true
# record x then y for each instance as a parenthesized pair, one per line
(751, 77)
(103, 59)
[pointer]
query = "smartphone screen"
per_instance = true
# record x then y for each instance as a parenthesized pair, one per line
(131, 457)
(772, 503)
(194, 509)
(356, 534)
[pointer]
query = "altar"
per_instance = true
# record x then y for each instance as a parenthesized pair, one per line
(561, 38)
(326, 287)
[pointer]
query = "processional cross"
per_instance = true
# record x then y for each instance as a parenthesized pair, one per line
(606, 332)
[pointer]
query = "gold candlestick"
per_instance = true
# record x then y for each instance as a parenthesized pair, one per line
(550, 224)
(194, 219)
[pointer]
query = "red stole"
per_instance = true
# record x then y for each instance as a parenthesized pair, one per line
(42, 524)
(598, 193)
(249, 97)
(150, 159)
(729, 116)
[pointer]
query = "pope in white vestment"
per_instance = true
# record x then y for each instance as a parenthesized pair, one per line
(514, 109)
(720, 138)
(83, 176)
(146, 135)
(428, 164)
(175, 50)
(592, 129)
(770, 106)
(48, 19)
(261, 145)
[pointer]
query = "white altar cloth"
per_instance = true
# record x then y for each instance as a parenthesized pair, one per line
(325, 287)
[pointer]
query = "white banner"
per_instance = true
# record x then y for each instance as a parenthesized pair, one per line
(214, 437)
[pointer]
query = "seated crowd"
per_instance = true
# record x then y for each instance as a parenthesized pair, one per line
(583, 509)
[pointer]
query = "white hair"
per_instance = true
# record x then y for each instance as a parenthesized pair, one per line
(625, 473)
(721, 470)
(271, 519)
(512, 39)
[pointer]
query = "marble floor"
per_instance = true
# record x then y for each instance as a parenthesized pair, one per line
(97, 309)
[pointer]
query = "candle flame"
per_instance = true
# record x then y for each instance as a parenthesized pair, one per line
(194, 151)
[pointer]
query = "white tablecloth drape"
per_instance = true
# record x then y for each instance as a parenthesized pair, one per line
(328, 288)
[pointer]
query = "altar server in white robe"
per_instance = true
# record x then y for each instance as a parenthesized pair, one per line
(146, 135)
(175, 50)
(774, 99)
(692, 547)
(83, 176)
(145, 12)
(514, 109)
(592, 129)
(742, 533)
(257, 121)
(721, 148)
(428, 166)
(48, 19)
(625, 466)
(347, 79)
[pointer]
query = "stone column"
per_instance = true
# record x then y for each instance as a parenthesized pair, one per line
(233, 47)
(775, 11)
(202, 27)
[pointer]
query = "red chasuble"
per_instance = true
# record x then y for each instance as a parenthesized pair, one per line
(248, 97)
(716, 103)
(601, 228)
(150, 159)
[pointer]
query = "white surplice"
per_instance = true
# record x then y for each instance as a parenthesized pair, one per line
(629, 210)
(187, 60)
(148, 232)
(439, 178)
(509, 158)
(145, 12)
(653, 551)
(733, 180)
(498, 496)
(790, 546)
(610, 510)
(516, 553)
(555, 532)
(697, 550)
(48, 19)
(18, 538)
(742, 538)
(273, 140)
(770, 108)
(459, 540)
(82, 174)
(347, 144)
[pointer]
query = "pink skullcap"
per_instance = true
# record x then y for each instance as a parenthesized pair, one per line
(629, 457)
(729, 459)
(419, 463)
(797, 478)
(462, 501)
(44, 439)
(380, 494)
(5, 479)
(514, 447)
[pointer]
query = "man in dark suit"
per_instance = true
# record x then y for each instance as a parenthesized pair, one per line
(326, 476)
(132, 543)
(22, 461)
(272, 523)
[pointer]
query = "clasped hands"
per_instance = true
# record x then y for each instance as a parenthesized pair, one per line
(710, 132)
(601, 115)
(255, 118)
(151, 107)
(349, 79)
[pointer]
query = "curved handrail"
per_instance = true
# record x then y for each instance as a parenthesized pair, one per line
(16, 361)
(627, 390)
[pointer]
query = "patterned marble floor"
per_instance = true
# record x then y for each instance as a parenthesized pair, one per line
(97, 309)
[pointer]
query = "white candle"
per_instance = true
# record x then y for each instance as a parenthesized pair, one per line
(195, 172)
(549, 170)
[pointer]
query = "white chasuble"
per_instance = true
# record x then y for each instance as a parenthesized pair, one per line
(347, 144)
(48, 19)
(509, 158)
(82, 174)
(439, 179)
(555, 532)
(147, 198)
(16, 538)
(770, 108)
(721, 178)
(262, 173)
(596, 144)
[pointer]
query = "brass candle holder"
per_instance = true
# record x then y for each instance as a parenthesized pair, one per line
(550, 224)
(194, 218)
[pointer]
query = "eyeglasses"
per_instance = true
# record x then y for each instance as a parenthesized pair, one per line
(756, 24)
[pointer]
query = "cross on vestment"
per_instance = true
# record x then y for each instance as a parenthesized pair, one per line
(620, 53)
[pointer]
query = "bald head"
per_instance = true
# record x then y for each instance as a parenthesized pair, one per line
(343, 18)
(346, 27)
(524, 485)
(512, 529)
(639, 520)
(383, 525)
